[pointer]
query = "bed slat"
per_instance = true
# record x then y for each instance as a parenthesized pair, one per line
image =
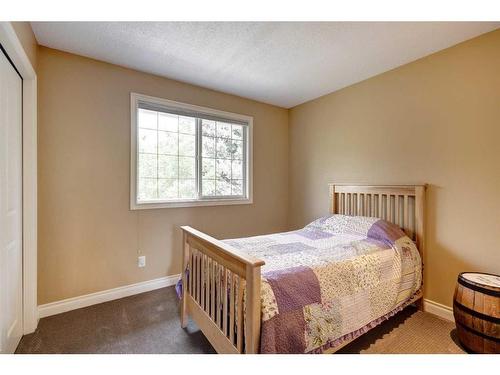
(191, 272)
(212, 290)
(224, 302)
(239, 322)
(203, 282)
(218, 298)
(406, 216)
(231, 308)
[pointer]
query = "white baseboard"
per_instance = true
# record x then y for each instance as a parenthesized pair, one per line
(74, 303)
(438, 309)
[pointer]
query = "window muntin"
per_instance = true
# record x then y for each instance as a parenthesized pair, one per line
(187, 156)
(166, 156)
(222, 159)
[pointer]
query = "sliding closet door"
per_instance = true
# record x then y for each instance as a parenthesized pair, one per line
(11, 245)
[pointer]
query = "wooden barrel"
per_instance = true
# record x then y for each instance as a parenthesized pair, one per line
(476, 308)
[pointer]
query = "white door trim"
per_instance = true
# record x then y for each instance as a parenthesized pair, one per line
(13, 47)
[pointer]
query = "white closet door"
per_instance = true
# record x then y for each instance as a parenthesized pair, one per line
(11, 184)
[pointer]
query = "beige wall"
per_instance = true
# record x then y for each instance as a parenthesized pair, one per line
(435, 121)
(27, 38)
(88, 237)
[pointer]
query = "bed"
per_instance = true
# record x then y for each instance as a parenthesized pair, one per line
(311, 290)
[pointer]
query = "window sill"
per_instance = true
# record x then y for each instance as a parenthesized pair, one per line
(190, 203)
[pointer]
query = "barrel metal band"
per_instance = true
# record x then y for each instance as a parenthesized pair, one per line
(480, 334)
(475, 313)
(477, 288)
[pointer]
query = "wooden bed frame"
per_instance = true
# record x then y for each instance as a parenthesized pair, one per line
(218, 269)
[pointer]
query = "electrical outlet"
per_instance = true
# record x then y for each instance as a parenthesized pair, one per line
(141, 261)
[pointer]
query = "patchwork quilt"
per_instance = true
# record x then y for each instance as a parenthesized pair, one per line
(331, 280)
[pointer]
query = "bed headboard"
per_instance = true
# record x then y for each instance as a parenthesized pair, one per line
(403, 205)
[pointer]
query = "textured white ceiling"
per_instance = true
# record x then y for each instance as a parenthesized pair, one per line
(281, 63)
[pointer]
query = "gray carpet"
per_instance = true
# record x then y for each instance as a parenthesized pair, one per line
(149, 323)
(144, 323)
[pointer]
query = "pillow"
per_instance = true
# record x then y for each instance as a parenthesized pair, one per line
(343, 224)
(370, 227)
(385, 231)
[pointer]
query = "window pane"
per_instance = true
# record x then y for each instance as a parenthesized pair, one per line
(147, 165)
(223, 147)
(147, 189)
(222, 187)
(187, 145)
(187, 125)
(187, 188)
(237, 132)
(223, 169)
(169, 153)
(237, 187)
(208, 168)
(223, 130)
(187, 167)
(208, 128)
(167, 166)
(168, 122)
(147, 141)
(168, 188)
(237, 150)
(208, 146)
(237, 169)
(208, 187)
(148, 119)
(167, 143)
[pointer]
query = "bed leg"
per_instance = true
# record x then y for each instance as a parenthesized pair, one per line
(420, 304)
(185, 260)
(184, 315)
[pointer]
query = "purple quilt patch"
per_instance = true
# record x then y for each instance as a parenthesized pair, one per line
(314, 234)
(291, 247)
(294, 288)
(284, 333)
(381, 244)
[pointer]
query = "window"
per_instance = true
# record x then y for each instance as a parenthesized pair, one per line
(185, 155)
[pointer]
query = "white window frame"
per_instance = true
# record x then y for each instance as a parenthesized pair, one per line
(212, 201)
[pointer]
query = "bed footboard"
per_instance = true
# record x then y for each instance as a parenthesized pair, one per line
(221, 292)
